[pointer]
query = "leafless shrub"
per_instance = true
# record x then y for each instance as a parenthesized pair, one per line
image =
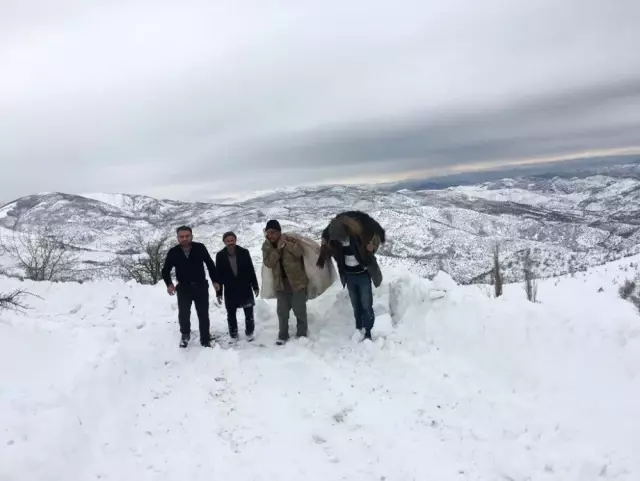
(13, 300)
(627, 288)
(571, 269)
(487, 290)
(630, 291)
(635, 300)
(144, 258)
(43, 254)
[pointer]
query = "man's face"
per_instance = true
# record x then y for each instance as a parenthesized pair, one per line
(184, 237)
(273, 235)
(230, 242)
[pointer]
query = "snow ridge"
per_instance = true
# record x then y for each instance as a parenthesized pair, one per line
(456, 385)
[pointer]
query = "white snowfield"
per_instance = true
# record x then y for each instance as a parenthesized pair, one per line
(455, 386)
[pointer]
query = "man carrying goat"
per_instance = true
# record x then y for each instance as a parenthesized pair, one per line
(353, 238)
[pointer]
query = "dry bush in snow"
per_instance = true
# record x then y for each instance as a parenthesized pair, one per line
(14, 300)
(143, 259)
(42, 254)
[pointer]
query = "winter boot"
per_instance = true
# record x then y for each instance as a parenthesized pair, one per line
(205, 341)
(184, 340)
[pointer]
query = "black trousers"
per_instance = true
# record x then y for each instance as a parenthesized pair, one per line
(197, 294)
(232, 320)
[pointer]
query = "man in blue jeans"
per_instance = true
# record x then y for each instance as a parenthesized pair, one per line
(353, 238)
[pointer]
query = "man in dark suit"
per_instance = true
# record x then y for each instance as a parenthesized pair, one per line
(238, 283)
(189, 258)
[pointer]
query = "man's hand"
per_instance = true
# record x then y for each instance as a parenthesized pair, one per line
(256, 291)
(283, 243)
(171, 290)
(370, 247)
(216, 286)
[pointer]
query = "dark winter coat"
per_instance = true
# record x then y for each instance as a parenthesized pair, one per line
(189, 270)
(238, 290)
(361, 229)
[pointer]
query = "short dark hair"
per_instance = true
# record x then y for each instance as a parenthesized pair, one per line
(184, 227)
(228, 234)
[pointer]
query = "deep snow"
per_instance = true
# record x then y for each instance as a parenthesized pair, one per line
(457, 386)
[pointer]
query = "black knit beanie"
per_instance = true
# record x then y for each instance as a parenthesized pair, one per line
(274, 224)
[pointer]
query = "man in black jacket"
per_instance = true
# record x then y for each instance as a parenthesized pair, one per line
(238, 282)
(188, 258)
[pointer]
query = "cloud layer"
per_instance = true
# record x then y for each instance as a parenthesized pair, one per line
(197, 99)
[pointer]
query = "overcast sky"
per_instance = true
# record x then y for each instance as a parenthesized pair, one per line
(200, 98)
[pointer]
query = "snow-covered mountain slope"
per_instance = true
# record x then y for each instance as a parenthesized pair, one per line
(567, 223)
(455, 386)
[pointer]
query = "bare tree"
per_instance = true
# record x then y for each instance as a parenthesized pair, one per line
(142, 261)
(530, 282)
(496, 272)
(13, 300)
(43, 254)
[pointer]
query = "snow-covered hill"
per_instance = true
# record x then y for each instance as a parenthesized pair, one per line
(455, 386)
(568, 223)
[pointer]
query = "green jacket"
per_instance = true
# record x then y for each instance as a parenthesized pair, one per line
(292, 263)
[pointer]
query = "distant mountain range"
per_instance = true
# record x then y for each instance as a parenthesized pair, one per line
(568, 222)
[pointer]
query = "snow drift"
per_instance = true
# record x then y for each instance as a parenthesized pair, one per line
(455, 386)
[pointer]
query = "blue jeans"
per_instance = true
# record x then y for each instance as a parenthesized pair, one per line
(361, 294)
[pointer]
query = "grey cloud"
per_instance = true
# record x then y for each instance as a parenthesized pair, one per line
(198, 98)
(593, 118)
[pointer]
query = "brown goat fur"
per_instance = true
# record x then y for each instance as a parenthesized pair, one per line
(354, 224)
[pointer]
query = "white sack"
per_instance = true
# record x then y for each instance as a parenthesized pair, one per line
(319, 279)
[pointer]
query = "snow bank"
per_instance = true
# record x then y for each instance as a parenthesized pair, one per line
(456, 385)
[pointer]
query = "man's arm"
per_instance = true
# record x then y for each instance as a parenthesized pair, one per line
(211, 267)
(270, 255)
(219, 277)
(374, 245)
(252, 275)
(166, 269)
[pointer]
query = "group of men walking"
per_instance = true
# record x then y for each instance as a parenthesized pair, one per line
(351, 238)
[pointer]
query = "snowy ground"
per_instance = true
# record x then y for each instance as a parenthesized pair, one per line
(461, 387)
